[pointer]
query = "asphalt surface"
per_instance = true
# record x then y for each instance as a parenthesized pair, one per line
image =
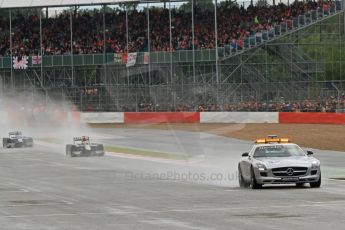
(40, 188)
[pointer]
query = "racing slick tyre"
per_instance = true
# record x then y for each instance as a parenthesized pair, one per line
(101, 147)
(253, 183)
(69, 149)
(4, 142)
(241, 181)
(28, 142)
(316, 184)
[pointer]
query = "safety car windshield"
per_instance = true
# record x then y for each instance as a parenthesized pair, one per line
(278, 151)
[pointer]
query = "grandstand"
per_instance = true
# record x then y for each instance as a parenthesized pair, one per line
(116, 57)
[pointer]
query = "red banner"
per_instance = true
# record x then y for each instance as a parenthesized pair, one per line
(311, 118)
(124, 58)
(164, 117)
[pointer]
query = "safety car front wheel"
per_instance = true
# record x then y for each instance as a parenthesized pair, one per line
(253, 183)
(316, 184)
(241, 181)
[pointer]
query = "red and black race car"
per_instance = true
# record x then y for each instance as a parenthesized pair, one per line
(82, 146)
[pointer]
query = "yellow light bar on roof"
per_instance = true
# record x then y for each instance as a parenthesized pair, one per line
(260, 141)
(272, 140)
(284, 140)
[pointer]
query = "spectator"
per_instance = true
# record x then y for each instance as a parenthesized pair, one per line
(234, 23)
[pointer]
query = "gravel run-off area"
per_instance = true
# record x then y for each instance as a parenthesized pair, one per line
(326, 137)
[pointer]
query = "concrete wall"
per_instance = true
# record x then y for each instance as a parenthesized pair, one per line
(210, 117)
(239, 117)
(98, 118)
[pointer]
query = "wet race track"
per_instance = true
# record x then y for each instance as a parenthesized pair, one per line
(41, 188)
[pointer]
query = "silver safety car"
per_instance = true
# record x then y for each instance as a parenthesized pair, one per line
(82, 146)
(274, 160)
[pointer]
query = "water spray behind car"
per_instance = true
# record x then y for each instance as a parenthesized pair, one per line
(45, 119)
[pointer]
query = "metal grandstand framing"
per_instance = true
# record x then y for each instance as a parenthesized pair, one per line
(287, 64)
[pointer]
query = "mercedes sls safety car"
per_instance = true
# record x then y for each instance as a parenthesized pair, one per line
(17, 140)
(82, 146)
(275, 160)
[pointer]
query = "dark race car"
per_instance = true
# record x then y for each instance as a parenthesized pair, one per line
(83, 147)
(17, 140)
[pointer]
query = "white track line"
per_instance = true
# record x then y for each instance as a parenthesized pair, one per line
(336, 180)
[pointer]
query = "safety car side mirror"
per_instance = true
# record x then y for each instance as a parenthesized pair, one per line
(310, 152)
(245, 154)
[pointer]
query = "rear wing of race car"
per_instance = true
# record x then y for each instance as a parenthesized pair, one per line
(83, 138)
(16, 133)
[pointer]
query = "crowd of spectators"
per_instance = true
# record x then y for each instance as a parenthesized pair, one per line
(329, 104)
(234, 23)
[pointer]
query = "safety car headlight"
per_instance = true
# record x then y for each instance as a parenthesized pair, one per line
(261, 166)
(315, 164)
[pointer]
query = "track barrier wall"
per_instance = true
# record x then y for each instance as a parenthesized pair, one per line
(312, 118)
(239, 117)
(212, 117)
(99, 118)
(164, 117)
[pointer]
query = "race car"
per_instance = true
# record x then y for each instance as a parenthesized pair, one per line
(17, 140)
(274, 160)
(83, 147)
